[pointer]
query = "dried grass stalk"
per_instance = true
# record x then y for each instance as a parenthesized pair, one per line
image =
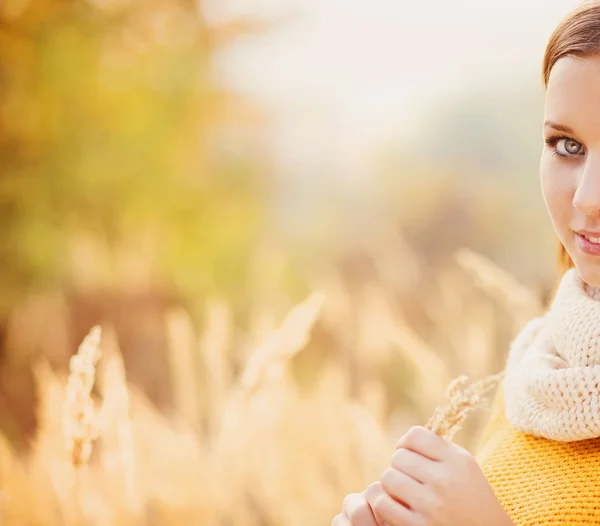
(80, 423)
(214, 349)
(518, 300)
(119, 456)
(447, 420)
(182, 351)
(266, 367)
(293, 334)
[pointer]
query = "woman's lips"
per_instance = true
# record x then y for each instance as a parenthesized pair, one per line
(586, 245)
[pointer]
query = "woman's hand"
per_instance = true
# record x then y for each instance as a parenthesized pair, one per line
(432, 482)
(356, 511)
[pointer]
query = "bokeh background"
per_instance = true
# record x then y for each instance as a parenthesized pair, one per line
(295, 221)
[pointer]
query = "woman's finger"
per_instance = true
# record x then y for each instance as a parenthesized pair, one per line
(357, 510)
(385, 508)
(425, 442)
(414, 465)
(340, 520)
(404, 488)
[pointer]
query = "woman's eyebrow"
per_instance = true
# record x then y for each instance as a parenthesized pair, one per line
(559, 127)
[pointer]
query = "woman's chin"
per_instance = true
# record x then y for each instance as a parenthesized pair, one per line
(589, 271)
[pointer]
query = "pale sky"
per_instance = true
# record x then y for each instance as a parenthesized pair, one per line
(361, 70)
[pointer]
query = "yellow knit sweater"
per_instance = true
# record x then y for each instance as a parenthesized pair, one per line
(538, 481)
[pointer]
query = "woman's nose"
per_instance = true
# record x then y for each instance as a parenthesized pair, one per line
(587, 194)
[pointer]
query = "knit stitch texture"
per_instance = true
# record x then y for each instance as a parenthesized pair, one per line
(552, 382)
(540, 450)
(540, 482)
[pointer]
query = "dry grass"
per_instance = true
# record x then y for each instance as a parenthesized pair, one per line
(448, 420)
(253, 446)
(80, 422)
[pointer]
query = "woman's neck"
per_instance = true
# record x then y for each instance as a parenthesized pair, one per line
(592, 292)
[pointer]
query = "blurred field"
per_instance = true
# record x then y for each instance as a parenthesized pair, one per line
(270, 325)
(259, 437)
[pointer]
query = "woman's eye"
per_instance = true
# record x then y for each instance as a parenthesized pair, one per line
(569, 147)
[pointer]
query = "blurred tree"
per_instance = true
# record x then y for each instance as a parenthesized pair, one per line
(128, 177)
(118, 168)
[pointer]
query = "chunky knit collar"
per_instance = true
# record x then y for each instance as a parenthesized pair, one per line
(552, 381)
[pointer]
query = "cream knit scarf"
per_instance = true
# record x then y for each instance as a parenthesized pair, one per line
(552, 378)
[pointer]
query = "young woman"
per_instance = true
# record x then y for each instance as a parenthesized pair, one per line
(538, 461)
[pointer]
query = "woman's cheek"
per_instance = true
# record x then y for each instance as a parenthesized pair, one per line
(558, 190)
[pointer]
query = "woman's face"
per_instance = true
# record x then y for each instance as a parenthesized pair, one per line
(570, 163)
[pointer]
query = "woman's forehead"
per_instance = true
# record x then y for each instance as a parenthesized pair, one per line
(573, 94)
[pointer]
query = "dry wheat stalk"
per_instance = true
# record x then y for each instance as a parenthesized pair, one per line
(292, 336)
(80, 426)
(499, 284)
(182, 351)
(214, 348)
(447, 420)
(119, 456)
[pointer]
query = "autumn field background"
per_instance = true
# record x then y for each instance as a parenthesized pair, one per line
(287, 264)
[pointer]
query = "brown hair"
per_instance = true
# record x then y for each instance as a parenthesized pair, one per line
(578, 35)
